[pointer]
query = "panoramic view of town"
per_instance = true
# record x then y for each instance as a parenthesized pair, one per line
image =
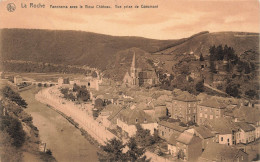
(195, 105)
(175, 82)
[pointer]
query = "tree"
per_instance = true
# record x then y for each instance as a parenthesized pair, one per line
(71, 97)
(200, 86)
(75, 87)
(8, 152)
(181, 154)
(212, 67)
(48, 152)
(83, 94)
(201, 57)
(232, 90)
(251, 93)
(143, 136)
(99, 103)
(64, 91)
(135, 153)
(14, 96)
(14, 128)
(114, 151)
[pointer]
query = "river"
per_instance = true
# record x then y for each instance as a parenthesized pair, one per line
(65, 141)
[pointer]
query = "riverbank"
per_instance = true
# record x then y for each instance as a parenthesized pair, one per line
(65, 140)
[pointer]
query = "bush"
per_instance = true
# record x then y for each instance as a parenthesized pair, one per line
(143, 136)
(14, 128)
(232, 90)
(251, 94)
(200, 86)
(14, 96)
(48, 152)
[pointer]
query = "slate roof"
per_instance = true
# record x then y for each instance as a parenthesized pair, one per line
(188, 138)
(115, 113)
(110, 108)
(213, 102)
(129, 116)
(247, 114)
(222, 126)
(245, 126)
(204, 132)
(174, 126)
(185, 96)
(173, 138)
(217, 152)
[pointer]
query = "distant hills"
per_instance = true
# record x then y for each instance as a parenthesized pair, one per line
(112, 54)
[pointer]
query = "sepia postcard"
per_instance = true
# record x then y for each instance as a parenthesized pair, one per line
(129, 80)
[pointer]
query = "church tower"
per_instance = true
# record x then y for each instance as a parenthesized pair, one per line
(134, 72)
(133, 69)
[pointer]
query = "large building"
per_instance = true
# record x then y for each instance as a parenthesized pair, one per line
(184, 107)
(210, 109)
(139, 76)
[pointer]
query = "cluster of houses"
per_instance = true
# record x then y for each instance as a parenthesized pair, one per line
(189, 124)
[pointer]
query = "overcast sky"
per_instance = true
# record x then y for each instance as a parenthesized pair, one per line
(173, 19)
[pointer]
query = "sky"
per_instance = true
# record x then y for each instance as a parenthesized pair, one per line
(173, 19)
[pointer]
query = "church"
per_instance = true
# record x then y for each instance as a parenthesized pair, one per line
(139, 76)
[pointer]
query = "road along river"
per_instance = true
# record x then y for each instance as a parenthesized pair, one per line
(65, 141)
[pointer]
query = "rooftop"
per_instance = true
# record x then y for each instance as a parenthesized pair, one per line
(174, 126)
(185, 96)
(247, 114)
(222, 126)
(188, 138)
(245, 126)
(204, 132)
(217, 152)
(213, 102)
(132, 117)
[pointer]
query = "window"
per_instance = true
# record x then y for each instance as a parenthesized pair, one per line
(228, 140)
(145, 120)
(221, 138)
(136, 120)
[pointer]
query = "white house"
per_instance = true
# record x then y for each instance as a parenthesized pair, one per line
(127, 120)
(246, 133)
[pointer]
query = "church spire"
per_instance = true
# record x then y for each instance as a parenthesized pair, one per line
(133, 61)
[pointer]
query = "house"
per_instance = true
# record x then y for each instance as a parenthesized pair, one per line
(129, 118)
(18, 80)
(104, 115)
(159, 108)
(203, 133)
(140, 76)
(167, 129)
(184, 107)
(62, 81)
(172, 149)
(225, 130)
(216, 152)
(246, 133)
(249, 115)
(210, 109)
(189, 146)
